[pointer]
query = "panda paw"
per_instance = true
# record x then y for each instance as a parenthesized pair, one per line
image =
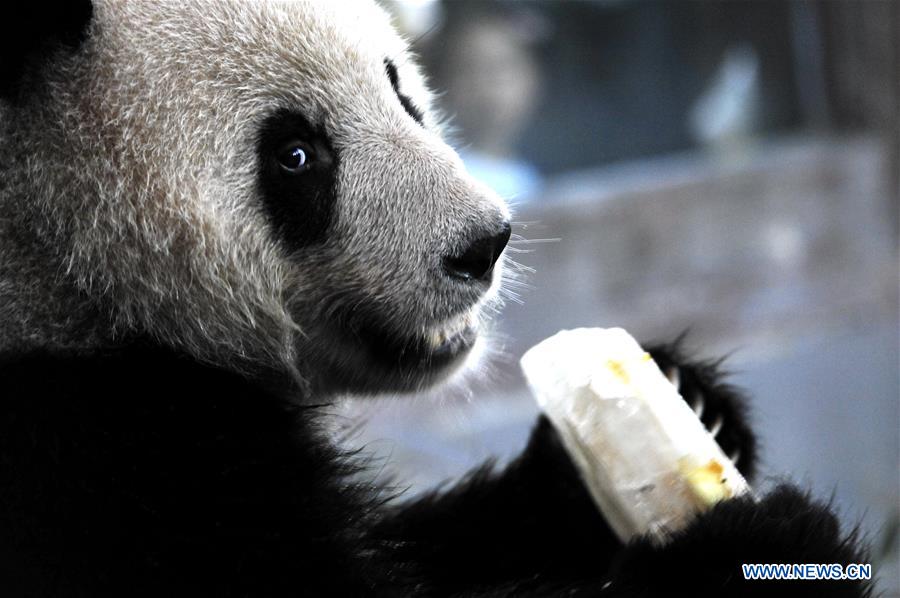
(721, 407)
(706, 558)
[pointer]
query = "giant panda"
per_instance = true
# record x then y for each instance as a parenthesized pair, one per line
(215, 217)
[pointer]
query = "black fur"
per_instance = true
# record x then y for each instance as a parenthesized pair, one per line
(139, 472)
(31, 32)
(405, 100)
(300, 206)
(786, 526)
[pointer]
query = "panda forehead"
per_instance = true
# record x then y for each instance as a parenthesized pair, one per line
(363, 58)
(324, 58)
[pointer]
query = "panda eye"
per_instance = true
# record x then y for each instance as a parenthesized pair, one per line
(294, 157)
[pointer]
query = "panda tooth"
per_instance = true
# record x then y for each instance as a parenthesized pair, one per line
(451, 328)
(435, 339)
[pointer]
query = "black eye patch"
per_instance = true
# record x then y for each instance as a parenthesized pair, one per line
(405, 100)
(296, 177)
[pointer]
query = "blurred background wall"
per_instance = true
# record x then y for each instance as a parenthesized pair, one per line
(727, 168)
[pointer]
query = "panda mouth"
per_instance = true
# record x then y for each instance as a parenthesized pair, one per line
(435, 347)
(453, 337)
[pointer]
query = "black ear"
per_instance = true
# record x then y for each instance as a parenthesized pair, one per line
(30, 32)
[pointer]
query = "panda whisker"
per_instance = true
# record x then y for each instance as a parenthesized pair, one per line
(535, 241)
(518, 285)
(518, 269)
(511, 295)
(510, 249)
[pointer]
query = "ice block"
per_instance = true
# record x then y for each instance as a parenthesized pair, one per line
(645, 457)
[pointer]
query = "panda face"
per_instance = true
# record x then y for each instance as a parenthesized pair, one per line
(394, 245)
(264, 182)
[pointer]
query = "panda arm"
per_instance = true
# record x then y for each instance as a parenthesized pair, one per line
(532, 519)
(534, 526)
(535, 517)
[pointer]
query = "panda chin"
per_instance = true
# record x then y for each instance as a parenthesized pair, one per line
(373, 358)
(427, 354)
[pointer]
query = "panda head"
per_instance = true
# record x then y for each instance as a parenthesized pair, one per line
(255, 183)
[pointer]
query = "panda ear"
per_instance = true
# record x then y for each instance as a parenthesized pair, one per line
(30, 32)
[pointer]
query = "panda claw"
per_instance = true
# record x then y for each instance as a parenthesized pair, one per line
(674, 376)
(697, 405)
(735, 456)
(716, 427)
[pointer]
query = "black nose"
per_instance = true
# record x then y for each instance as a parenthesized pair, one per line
(477, 261)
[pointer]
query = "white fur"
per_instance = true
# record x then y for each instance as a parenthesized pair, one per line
(131, 205)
